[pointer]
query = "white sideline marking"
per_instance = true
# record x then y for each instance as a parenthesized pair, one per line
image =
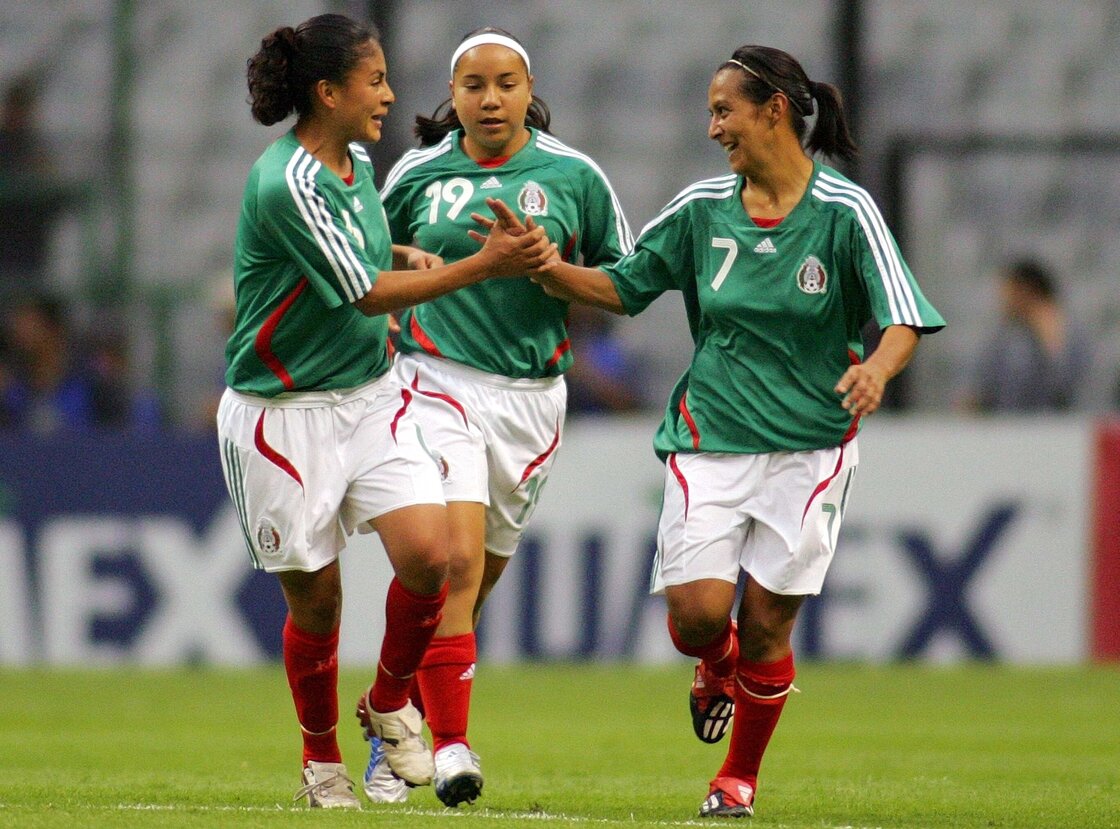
(444, 814)
(440, 813)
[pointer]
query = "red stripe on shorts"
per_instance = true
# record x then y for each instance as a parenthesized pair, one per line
(541, 458)
(446, 398)
(680, 480)
(263, 342)
(271, 454)
(406, 397)
(823, 485)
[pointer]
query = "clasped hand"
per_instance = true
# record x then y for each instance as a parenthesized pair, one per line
(518, 249)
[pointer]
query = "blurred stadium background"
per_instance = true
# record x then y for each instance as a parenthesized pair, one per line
(989, 129)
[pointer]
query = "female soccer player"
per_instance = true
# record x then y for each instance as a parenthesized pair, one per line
(485, 365)
(780, 263)
(315, 439)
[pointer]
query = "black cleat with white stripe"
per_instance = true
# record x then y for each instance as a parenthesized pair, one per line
(712, 708)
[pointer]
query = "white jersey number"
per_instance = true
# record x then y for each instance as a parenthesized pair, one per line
(732, 248)
(357, 234)
(456, 192)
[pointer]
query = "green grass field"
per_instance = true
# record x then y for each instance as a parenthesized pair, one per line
(567, 746)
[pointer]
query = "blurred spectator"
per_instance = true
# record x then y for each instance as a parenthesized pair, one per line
(117, 399)
(31, 197)
(47, 385)
(601, 378)
(1037, 358)
(223, 308)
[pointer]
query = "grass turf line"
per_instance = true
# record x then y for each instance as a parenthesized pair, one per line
(576, 745)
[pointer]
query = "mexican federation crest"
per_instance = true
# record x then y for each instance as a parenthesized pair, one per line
(532, 200)
(811, 276)
(268, 538)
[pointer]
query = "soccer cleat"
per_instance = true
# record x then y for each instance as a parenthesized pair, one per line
(379, 782)
(399, 731)
(712, 703)
(729, 797)
(327, 786)
(458, 776)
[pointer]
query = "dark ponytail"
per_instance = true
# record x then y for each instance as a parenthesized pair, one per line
(767, 70)
(445, 119)
(830, 135)
(291, 61)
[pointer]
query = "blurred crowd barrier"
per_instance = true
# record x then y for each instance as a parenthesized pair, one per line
(963, 539)
(988, 130)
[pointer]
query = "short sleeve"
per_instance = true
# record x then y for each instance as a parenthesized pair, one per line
(328, 247)
(606, 233)
(661, 261)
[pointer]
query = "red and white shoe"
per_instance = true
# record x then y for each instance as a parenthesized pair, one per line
(729, 797)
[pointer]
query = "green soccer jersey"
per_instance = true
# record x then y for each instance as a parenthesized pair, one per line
(775, 312)
(308, 246)
(503, 326)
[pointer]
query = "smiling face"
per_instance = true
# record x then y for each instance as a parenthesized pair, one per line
(364, 98)
(737, 124)
(491, 91)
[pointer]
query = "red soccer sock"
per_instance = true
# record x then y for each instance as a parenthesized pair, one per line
(311, 662)
(445, 678)
(719, 656)
(410, 621)
(414, 695)
(761, 689)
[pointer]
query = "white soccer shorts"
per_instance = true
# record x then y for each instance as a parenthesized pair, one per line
(496, 437)
(776, 516)
(306, 469)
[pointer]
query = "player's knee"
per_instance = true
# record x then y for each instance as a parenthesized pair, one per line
(426, 568)
(696, 625)
(464, 568)
(318, 613)
(761, 638)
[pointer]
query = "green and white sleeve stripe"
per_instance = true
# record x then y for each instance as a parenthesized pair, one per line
(411, 159)
(333, 243)
(896, 285)
(549, 144)
(713, 188)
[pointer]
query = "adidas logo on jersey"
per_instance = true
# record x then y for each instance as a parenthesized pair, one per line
(765, 246)
(491, 183)
(358, 206)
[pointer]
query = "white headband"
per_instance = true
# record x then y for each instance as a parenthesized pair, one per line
(494, 38)
(770, 84)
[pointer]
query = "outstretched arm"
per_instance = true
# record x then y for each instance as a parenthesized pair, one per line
(409, 258)
(560, 279)
(578, 284)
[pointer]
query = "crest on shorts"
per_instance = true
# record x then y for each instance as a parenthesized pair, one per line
(441, 462)
(811, 276)
(532, 200)
(268, 537)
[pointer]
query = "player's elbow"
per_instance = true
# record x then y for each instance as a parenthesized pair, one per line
(372, 305)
